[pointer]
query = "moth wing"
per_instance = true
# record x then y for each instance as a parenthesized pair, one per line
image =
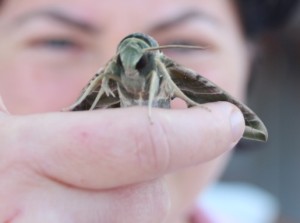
(90, 92)
(201, 90)
(104, 102)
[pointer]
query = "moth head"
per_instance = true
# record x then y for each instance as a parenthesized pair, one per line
(132, 54)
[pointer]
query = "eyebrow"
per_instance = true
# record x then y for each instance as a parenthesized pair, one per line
(185, 16)
(59, 16)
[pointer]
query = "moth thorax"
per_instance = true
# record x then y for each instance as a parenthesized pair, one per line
(151, 42)
(131, 73)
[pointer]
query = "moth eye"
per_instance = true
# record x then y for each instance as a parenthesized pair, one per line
(119, 62)
(142, 63)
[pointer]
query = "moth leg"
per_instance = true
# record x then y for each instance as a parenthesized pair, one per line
(104, 89)
(154, 85)
(176, 92)
(87, 90)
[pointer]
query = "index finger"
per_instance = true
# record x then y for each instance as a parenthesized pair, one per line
(110, 148)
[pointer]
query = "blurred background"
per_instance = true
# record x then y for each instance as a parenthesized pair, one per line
(274, 94)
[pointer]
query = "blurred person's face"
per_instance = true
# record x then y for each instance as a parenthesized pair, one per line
(49, 49)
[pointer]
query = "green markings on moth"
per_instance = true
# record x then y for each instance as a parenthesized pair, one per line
(140, 74)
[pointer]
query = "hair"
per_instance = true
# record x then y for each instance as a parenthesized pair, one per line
(259, 16)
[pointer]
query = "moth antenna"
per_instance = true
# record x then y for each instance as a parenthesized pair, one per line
(177, 46)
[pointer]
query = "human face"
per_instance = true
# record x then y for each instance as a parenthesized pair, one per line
(49, 49)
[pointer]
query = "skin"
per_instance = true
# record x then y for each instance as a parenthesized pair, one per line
(110, 165)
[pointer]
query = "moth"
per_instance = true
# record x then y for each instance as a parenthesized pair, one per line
(140, 74)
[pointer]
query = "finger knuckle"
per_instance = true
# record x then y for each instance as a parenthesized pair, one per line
(154, 155)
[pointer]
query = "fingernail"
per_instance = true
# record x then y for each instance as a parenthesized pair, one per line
(237, 125)
(2, 106)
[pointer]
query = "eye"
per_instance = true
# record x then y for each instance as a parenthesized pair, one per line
(142, 63)
(56, 48)
(59, 44)
(119, 62)
(184, 42)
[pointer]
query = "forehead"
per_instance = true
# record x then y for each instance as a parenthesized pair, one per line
(130, 11)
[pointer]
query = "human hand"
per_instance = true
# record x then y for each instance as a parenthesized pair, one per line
(104, 166)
